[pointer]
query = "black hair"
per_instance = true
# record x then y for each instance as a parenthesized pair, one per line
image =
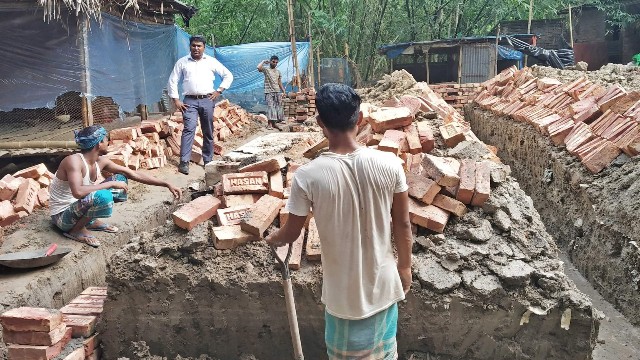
(338, 106)
(274, 57)
(197, 38)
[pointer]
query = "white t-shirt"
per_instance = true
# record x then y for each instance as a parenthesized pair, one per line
(351, 196)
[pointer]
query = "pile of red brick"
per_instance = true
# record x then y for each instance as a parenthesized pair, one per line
(439, 186)
(246, 202)
(594, 123)
(148, 145)
(456, 95)
(43, 334)
(23, 192)
(299, 106)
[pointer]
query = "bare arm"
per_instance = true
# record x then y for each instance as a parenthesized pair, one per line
(113, 168)
(402, 236)
(74, 177)
(280, 83)
(289, 232)
(260, 65)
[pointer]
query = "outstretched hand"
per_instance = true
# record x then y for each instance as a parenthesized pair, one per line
(177, 192)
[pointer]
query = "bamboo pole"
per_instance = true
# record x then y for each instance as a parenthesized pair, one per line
(460, 65)
(427, 62)
(292, 35)
(312, 82)
(318, 52)
(526, 57)
(51, 144)
(497, 51)
(570, 27)
(87, 111)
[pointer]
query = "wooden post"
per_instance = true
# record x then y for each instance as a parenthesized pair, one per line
(460, 65)
(497, 51)
(312, 82)
(570, 27)
(319, 63)
(427, 62)
(526, 57)
(144, 113)
(292, 34)
(87, 111)
(346, 50)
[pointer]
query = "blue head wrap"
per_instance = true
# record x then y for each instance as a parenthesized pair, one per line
(89, 137)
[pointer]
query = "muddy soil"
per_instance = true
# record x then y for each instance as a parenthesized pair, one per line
(626, 76)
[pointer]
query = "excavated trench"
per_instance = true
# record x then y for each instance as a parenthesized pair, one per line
(592, 217)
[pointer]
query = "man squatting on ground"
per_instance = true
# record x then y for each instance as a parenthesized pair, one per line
(357, 194)
(197, 72)
(78, 197)
(273, 90)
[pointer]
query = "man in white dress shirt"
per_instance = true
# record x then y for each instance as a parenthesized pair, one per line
(197, 72)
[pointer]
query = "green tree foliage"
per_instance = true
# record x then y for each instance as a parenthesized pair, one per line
(366, 24)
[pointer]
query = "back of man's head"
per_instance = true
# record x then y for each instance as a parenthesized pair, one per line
(338, 106)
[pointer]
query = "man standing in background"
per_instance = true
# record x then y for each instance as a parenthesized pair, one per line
(273, 90)
(197, 72)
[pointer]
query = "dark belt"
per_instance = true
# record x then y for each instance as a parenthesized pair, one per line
(197, 96)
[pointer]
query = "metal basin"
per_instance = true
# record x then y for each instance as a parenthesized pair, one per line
(33, 258)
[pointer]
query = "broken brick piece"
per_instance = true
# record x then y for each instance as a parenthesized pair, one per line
(390, 118)
(27, 196)
(33, 352)
(233, 215)
(313, 249)
(428, 216)
(31, 319)
(276, 184)
(33, 172)
(239, 200)
(81, 325)
(393, 141)
(311, 152)
(443, 170)
(296, 252)
(262, 215)
(41, 338)
(91, 343)
(413, 139)
(248, 182)
(268, 165)
(422, 188)
(230, 237)
(9, 187)
(196, 212)
(467, 185)
(125, 134)
(425, 134)
(449, 204)
(483, 183)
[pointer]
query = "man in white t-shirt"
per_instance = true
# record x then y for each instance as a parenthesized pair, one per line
(356, 194)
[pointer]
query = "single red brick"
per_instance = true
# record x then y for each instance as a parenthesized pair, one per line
(230, 237)
(248, 182)
(81, 325)
(95, 291)
(88, 299)
(262, 215)
(390, 118)
(33, 172)
(393, 141)
(9, 187)
(452, 133)
(239, 200)
(413, 139)
(233, 215)
(6, 210)
(443, 170)
(276, 184)
(124, 134)
(313, 248)
(449, 204)
(41, 338)
(150, 127)
(296, 252)
(425, 135)
(315, 148)
(196, 212)
(27, 196)
(33, 352)
(31, 319)
(602, 158)
(90, 344)
(467, 181)
(269, 165)
(422, 188)
(82, 309)
(483, 183)
(428, 216)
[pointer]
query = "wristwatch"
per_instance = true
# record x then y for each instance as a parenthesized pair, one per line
(220, 90)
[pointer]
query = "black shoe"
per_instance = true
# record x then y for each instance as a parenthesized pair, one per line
(184, 168)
